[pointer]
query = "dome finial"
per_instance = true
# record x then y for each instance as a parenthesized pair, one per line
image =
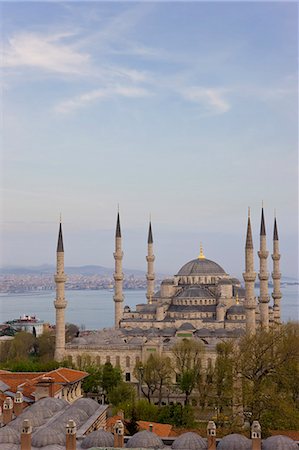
(237, 298)
(201, 254)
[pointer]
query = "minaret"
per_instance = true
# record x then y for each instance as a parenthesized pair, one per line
(263, 276)
(249, 278)
(60, 302)
(276, 294)
(118, 275)
(150, 276)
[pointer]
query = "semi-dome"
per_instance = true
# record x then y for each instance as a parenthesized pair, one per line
(98, 438)
(189, 441)
(236, 309)
(145, 439)
(234, 442)
(279, 443)
(201, 266)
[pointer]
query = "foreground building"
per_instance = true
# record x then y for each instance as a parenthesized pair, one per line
(52, 424)
(201, 301)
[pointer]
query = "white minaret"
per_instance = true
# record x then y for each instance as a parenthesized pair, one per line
(150, 258)
(263, 277)
(249, 277)
(118, 276)
(276, 294)
(60, 302)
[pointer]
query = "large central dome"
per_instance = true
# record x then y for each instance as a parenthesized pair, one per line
(201, 266)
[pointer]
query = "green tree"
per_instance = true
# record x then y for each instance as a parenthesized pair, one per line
(123, 392)
(188, 354)
(155, 374)
(268, 363)
(223, 374)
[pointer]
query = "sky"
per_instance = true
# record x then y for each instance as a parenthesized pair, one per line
(187, 112)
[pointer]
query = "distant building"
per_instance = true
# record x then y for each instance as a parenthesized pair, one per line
(27, 323)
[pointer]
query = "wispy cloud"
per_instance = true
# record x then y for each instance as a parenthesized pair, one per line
(47, 52)
(211, 98)
(83, 100)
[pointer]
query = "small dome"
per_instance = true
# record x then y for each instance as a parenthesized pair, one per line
(98, 438)
(234, 442)
(9, 435)
(186, 326)
(237, 310)
(201, 267)
(145, 439)
(48, 436)
(279, 443)
(189, 441)
(87, 404)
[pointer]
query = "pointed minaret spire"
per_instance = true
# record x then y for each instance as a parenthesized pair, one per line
(249, 243)
(150, 234)
(276, 275)
(60, 302)
(150, 258)
(275, 232)
(118, 230)
(60, 239)
(263, 227)
(263, 277)
(249, 277)
(118, 275)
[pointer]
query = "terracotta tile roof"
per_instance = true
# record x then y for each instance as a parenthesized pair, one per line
(111, 422)
(28, 380)
(161, 429)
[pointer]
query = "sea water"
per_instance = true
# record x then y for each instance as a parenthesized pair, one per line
(93, 309)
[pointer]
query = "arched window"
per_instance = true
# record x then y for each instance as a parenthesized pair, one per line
(70, 359)
(127, 361)
(107, 359)
(117, 361)
(79, 361)
(137, 360)
(98, 360)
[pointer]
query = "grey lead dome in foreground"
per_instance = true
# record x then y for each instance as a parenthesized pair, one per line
(145, 439)
(98, 438)
(201, 267)
(234, 442)
(189, 441)
(279, 443)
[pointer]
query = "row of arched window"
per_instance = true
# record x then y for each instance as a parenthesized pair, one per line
(81, 360)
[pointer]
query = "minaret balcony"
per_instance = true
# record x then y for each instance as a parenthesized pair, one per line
(60, 304)
(150, 276)
(118, 299)
(250, 304)
(276, 295)
(264, 276)
(60, 278)
(118, 255)
(264, 299)
(150, 258)
(263, 254)
(276, 275)
(276, 256)
(249, 276)
(118, 276)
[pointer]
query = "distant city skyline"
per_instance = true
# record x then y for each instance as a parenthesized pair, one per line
(187, 111)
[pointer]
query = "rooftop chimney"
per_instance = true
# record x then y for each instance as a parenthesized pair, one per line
(71, 431)
(118, 431)
(26, 435)
(256, 436)
(18, 403)
(211, 435)
(7, 410)
(45, 388)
